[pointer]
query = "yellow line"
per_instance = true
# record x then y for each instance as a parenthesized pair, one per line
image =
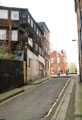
(46, 116)
(22, 93)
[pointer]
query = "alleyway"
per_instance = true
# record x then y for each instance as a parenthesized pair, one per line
(35, 104)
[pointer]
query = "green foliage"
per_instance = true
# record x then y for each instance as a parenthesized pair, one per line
(4, 53)
(72, 68)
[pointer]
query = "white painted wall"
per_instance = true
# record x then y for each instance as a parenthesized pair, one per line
(34, 58)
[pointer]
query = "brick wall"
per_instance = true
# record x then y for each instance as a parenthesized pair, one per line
(62, 64)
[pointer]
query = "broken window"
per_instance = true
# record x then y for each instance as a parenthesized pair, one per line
(35, 28)
(14, 15)
(36, 47)
(2, 34)
(28, 19)
(37, 31)
(31, 23)
(30, 42)
(4, 14)
(14, 35)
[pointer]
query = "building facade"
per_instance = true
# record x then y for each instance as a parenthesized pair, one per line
(26, 40)
(58, 63)
(78, 10)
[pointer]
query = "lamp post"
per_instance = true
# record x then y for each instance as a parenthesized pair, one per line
(57, 59)
(74, 40)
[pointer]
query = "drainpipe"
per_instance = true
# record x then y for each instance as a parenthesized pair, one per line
(80, 52)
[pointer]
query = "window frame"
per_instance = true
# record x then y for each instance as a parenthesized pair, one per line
(52, 60)
(29, 19)
(15, 40)
(12, 15)
(36, 47)
(3, 14)
(1, 35)
(52, 70)
(30, 41)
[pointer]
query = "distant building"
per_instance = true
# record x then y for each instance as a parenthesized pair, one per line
(72, 68)
(58, 64)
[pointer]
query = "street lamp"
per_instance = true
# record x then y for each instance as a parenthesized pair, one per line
(74, 40)
(57, 59)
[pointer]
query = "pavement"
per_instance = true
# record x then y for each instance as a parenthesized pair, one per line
(61, 111)
(70, 106)
(78, 100)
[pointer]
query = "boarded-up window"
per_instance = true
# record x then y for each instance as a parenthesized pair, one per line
(14, 35)
(2, 34)
(14, 15)
(3, 14)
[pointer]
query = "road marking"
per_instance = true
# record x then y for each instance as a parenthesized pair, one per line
(46, 116)
(22, 93)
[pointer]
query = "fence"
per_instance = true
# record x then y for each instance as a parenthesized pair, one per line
(11, 74)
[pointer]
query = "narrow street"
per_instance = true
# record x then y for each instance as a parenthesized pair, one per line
(34, 104)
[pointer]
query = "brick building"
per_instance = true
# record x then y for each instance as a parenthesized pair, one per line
(25, 39)
(58, 64)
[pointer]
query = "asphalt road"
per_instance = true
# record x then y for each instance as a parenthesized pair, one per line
(34, 104)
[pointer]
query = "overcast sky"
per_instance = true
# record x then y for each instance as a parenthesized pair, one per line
(60, 17)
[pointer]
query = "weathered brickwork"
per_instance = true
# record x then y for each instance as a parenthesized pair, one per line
(20, 32)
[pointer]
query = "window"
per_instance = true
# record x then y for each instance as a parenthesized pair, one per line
(47, 64)
(37, 31)
(35, 28)
(48, 52)
(40, 50)
(14, 35)
(36, 47)
(31, 23)
(30, 42)
(29, 62)
(44, 48)
(14, 15)
(2, 34)
(4, 14)
(58, 60)
(28, 19)
(52, 60)
(42, 53)
(52, 69)
(37, 65)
